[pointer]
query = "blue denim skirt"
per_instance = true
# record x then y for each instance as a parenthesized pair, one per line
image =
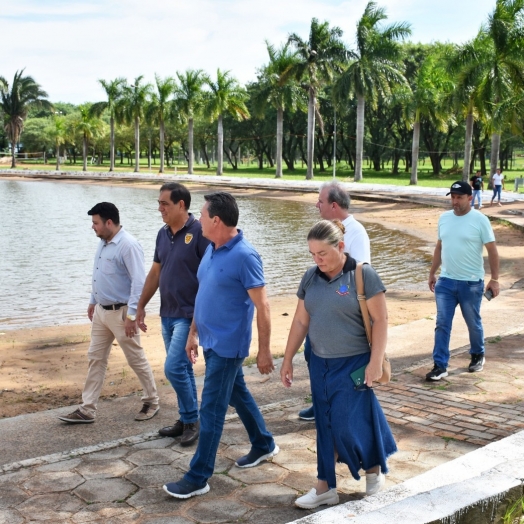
(349, 423)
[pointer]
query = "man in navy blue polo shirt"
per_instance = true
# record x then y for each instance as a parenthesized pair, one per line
(180, 247)
(231, 286)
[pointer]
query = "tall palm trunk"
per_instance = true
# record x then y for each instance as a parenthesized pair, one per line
(495, 149)
(361, 104)
(57, 157)
(137, 144)
(414, 153)
(467, 147)
(112, 144)
(190, 147)
(84, 152)
(280, 133)
(311, 133)
(161, 146)
(220, 146)
(13, 155)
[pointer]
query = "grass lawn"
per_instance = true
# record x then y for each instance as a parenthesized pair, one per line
(425, 177)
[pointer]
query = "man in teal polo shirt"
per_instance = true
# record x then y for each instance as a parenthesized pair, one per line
(231, 286)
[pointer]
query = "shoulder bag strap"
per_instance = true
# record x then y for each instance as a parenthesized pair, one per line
(359, 280)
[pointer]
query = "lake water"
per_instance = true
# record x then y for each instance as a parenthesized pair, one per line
(47, 246)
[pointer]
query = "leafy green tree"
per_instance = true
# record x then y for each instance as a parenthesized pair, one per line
(189, 99)
(374, 69)
(319, 58)
(15, 102)
(159, 107)
(132, 107)
(225, 96)
(114, 92)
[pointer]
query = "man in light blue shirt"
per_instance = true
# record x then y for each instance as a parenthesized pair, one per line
(462, 233)
(118, 279)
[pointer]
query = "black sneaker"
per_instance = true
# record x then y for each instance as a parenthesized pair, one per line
(436, 373)
(172, 431)
(477, 362)
(190, 434)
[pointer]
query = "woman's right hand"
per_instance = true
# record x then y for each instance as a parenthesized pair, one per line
(286, 373)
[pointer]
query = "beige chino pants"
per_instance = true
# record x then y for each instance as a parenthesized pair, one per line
(108, 325)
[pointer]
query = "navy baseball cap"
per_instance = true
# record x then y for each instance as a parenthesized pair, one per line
(460, 188)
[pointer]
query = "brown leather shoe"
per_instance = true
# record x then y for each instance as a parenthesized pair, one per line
(191, 432)
(172, 431)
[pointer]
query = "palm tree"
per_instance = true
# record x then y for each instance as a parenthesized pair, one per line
(159, 107)
(276, 88)
(133, 104)
(59, 132)
(425, 101)
(15, 104)
(113, 89)
(375, 68)
(320, 57)
(226, 96)
(189, 101)
(89, 126)
(494, 64)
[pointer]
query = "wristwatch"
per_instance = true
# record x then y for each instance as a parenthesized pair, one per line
(131, 317)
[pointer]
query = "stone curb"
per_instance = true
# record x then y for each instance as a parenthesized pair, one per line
(137, 439)
(475, 488)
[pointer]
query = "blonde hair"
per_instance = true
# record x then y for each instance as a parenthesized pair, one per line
(329, 231)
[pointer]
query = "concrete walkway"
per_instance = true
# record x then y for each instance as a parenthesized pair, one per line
(112, 471)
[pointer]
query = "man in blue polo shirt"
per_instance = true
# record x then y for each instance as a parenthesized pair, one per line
(180, 247)
(231, 286)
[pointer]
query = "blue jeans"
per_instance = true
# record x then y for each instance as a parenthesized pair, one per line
(449, 293)
(497, 190)
(178, 368)
(224, 385)
(477, 195)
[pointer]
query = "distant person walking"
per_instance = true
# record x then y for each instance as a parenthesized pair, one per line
(462, 233)
(231, 286)
(179, 249)
(333, 204)
(477, 185)
(118, 278)
(497, 182)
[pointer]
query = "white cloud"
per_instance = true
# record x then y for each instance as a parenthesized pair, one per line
(67, 45)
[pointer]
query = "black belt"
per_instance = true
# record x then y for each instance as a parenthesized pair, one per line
(113, 306)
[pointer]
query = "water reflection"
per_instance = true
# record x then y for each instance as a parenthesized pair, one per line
(47, 246)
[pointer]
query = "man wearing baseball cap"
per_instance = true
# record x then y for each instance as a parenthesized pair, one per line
(462, 233)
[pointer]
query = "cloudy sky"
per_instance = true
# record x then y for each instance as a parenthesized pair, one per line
(66, 45)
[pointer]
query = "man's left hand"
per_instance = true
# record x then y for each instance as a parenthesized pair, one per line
(495, 288)
(131, 328)
(265, 363)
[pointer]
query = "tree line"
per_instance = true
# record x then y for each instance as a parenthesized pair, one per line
(315, 101)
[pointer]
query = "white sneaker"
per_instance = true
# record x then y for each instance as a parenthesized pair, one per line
(374, 482)
(311, 500)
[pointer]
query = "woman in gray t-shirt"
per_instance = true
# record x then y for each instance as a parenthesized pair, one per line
(351, 426)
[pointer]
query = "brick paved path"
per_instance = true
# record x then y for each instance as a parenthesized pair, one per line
(446, 414)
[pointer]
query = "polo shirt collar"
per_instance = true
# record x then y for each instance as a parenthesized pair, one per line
(349, 265)
(189, 221)
(229, 245)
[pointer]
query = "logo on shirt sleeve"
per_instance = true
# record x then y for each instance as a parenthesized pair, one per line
(188, 238)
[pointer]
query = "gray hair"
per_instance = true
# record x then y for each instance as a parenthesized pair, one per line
(336, 193)
(329, 231)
